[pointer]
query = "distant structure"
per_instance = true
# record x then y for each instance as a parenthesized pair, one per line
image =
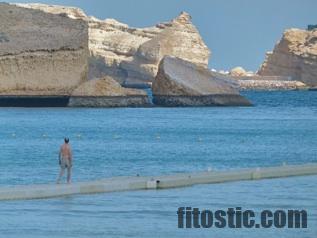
(311, 27)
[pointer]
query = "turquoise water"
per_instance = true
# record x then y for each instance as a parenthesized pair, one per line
(281, 127)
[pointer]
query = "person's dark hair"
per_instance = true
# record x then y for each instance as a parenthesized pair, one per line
(66, 140)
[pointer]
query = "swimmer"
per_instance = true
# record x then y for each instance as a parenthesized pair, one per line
(65, 160)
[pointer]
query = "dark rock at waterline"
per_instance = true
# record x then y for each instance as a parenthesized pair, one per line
(210, 100)
(34, 100)
(181, 83)
(109, 101)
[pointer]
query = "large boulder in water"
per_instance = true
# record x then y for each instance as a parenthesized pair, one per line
(182, 83)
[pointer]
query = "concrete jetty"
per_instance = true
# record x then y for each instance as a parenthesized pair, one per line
(156, 182)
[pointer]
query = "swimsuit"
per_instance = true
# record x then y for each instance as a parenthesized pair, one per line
(64, 162)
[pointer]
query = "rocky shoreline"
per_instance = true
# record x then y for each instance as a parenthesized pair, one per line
(268, 83)
(271, 85)
(58, 56)
(109, 101)
(201, 101)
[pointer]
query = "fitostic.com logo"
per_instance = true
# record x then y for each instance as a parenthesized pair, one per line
(189, 217)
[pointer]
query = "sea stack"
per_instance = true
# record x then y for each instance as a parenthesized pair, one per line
(182, 83)
(295, 55)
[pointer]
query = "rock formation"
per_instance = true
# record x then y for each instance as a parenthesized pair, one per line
(266, 83)
(179, 38)
(247, 80)
(182, 83)
(238, 71)
(295, 55)
(113, 44)
(106, 92)
(41, 53)
(71, 12)
(131, 55)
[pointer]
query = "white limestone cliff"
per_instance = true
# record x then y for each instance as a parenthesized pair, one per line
(131, 55)
(295, 55)
(41, 53)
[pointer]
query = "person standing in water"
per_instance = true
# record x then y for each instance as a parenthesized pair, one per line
(65, 160)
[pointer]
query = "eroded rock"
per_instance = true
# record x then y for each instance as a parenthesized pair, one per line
(41, 53)
(182, 83)
(295, 55)
(180, 39)
(270, 85)
(106, 92)
(131, 55)
(238, 71)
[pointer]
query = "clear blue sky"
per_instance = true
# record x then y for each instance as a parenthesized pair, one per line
(238, 32)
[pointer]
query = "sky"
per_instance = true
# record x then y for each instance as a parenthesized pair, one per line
(238, 32)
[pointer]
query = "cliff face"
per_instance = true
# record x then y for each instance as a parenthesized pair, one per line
(111, 43)
(294, 55)
(41, 53)
(179, 38)
(131, 55)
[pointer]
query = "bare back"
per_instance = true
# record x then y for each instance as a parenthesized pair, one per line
(66, 151)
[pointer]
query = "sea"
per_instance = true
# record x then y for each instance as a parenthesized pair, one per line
(281, 128)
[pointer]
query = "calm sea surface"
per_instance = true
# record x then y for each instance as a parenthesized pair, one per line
(281, 127)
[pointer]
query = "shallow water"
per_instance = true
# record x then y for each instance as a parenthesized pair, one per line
(281, 127)
(129, 141)
(153, 213)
